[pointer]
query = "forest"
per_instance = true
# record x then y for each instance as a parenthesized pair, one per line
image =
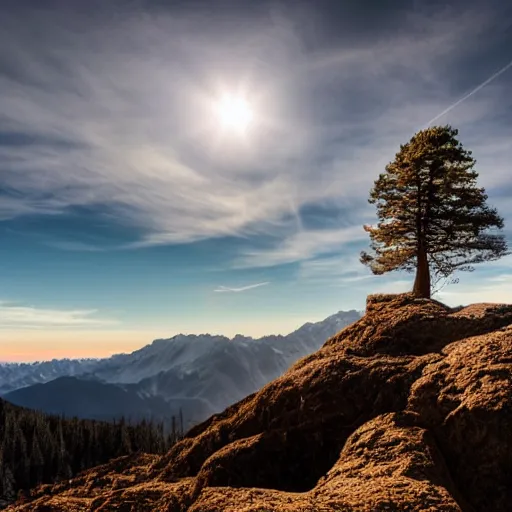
(40, 448)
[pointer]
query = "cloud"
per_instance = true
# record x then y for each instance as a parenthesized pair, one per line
(301, 245)
(336, 270)
(74, 246)
(12, 315)
(122, 116)
(225, 289)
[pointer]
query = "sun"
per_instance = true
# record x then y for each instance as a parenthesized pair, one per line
(235, 113)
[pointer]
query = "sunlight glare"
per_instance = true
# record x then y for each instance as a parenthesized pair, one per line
(235, 113)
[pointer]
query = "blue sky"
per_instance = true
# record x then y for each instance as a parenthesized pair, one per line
(128, 213)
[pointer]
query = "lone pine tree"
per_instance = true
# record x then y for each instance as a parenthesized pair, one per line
(432, 215)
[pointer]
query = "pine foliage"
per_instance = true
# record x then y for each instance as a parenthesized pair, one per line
(432, 215)
(39, 448)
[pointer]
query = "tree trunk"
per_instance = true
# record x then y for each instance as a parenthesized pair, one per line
(422, 282)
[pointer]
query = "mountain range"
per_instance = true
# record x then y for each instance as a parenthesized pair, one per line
(408, 409)
(192, 375)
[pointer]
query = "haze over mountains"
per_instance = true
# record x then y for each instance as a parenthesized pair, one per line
(197, 374)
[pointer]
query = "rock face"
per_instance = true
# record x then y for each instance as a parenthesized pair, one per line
(407, 409)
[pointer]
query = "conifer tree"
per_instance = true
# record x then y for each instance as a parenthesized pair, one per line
(8, 484)
(36, 463)
(125, 444)
(432, 215)
(36, 448)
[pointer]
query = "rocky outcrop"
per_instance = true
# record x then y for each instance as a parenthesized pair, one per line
(409, 408)
(465, 401)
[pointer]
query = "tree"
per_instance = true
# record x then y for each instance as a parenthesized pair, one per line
(37, 448)
(8, 484)
(36, 464)
(432, 216)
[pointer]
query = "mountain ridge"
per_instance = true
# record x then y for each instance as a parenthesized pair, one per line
(360, 425)
(202, 374)
(7, 367)
(88, 399)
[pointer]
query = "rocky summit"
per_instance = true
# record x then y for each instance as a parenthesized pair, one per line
(407, 409)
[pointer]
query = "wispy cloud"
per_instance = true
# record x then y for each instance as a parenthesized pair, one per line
(131, 106)
(74, 246)
(301, 245)
(334, 270)
(226, 289)
(29, 317)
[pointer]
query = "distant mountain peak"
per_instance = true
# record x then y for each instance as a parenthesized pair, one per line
(212, 369)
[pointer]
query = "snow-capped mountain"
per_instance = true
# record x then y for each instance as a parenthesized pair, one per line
(220, 370)
(210, 371)
(20, 375)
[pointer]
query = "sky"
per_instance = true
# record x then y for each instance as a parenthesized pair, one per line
(129, 211)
